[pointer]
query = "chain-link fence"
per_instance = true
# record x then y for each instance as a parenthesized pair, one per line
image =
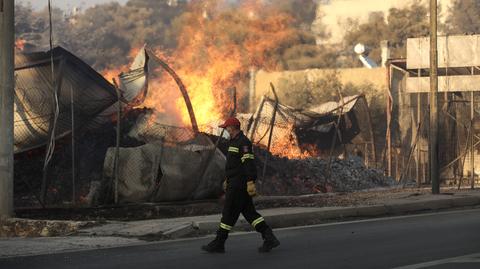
(48, 111)
(156, 163)
(458, 139)
(336, 129)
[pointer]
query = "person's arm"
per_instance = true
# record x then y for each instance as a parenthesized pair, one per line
(248, 161)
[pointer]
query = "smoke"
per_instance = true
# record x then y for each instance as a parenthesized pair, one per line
(217, 43)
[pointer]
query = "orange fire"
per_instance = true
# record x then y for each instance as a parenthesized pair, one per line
(110, 74)
(216, 47)
(286, 149)
(287, 146)
(113, 72)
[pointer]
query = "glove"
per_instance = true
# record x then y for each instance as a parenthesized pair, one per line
(225, 185)
(251, 189)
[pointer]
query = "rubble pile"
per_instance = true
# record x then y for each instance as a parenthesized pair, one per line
(34, 228)
(312, 175)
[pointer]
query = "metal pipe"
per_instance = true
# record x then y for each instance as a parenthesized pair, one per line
(72, 111)
(57, 83)
(7, 65)
(182, 88)
(388, 139)
(372, 135)
(418, 166)
(272, 125)
(412, 149)
(337, 133)
(117, 146)
(472, 142)
(256, 119)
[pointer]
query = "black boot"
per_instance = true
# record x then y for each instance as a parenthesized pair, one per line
(269, 241)
(218, 244)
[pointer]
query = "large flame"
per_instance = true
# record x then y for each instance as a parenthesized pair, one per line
(216, 48)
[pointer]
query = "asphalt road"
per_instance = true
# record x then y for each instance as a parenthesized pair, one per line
(444, 240)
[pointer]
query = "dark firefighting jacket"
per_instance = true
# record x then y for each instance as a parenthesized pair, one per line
(240, 164)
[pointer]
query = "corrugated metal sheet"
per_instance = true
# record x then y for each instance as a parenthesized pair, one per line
(312, 126)
(34, 98)
(134, 84)
(334, 107)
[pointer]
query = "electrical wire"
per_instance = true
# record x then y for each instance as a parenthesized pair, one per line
(51, 143)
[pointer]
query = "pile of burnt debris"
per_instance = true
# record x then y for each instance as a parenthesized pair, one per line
(285, 176)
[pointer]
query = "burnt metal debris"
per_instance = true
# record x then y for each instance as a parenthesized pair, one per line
(161, 163)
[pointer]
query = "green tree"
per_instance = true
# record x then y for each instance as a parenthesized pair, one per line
(406, 23)
(306, 53)
(300, 91)
(303, 11)
(104, 35)
(399, 25)
(463, 17)
(28, 25)
(369, 34)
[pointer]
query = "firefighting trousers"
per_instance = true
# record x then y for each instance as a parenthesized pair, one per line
(238, 201)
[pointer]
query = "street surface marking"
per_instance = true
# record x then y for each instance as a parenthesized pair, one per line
(374, 219)
(472, 258)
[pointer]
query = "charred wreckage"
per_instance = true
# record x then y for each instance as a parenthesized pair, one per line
(94, 143)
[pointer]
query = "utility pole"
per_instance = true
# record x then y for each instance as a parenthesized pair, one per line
(433, 130)
(7, 66)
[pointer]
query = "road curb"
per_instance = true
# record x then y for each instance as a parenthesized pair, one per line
(205, 226)
(372, 211)
(310, 217)
(180, 231)
(466, 201)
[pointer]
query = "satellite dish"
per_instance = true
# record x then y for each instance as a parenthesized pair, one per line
(360, 49)
(362, 52)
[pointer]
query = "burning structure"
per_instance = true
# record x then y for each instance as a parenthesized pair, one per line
(148, 154)
(82, 107)
(153, 161)
(343, 127)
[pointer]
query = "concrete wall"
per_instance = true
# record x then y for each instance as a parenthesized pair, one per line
(356, 76)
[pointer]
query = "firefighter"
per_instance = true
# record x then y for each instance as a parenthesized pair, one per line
(239, 187)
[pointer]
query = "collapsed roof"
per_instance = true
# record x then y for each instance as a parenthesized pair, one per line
(315, 126)
(79, 89)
